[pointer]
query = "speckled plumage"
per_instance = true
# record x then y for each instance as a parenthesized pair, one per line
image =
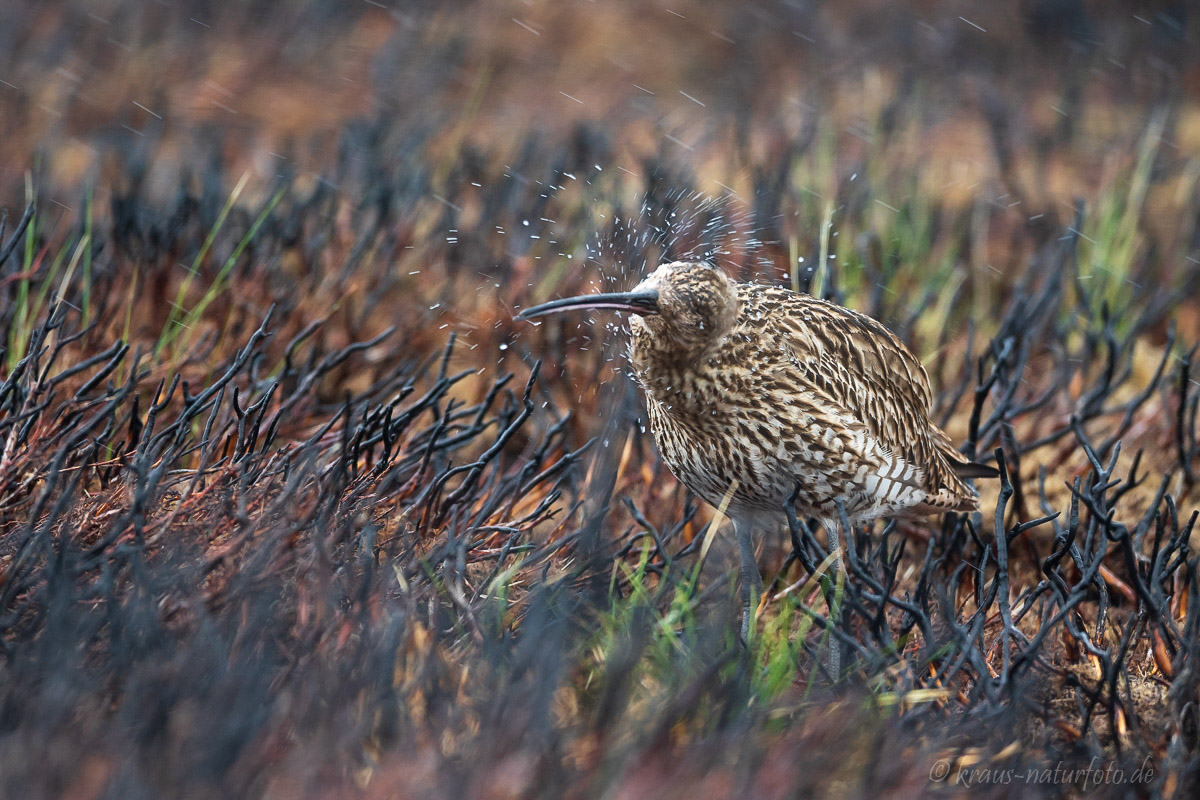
(786, 388)
(755, 392)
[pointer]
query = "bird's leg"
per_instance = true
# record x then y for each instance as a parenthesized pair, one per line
(834, 662)
(751, 581)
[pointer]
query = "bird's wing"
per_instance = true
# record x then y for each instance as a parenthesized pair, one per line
(864, 371)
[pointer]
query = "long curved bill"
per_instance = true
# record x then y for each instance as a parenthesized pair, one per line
(640, 302)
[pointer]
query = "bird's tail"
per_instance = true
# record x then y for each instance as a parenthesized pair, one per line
(970, 469)
(954, 494)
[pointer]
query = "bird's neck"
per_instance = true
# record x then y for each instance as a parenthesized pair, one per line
(671, 376)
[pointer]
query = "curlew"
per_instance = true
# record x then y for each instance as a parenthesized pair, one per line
(755, 393)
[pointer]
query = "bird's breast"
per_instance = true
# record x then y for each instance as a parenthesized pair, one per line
(712, 438)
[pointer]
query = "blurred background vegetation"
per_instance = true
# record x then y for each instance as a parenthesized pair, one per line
(287, 510)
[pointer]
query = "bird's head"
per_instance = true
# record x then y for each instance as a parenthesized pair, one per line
(685, 307)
